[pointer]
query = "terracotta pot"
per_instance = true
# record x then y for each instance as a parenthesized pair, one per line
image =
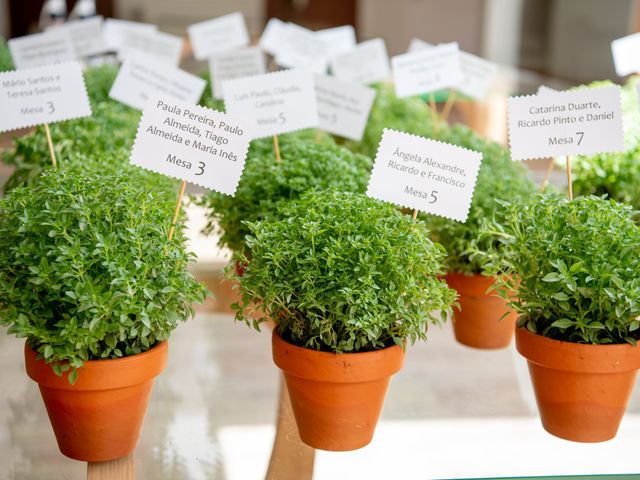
(478, 323)
(99, 417)
(582, 390)
(336, 399)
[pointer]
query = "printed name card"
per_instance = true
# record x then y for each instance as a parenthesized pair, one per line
(238, 63)
(162, 46)
(86, 36)
(274, 103)
(581, 122)
(272, 36)
(427, 70)
(191, 143)
(115, 30)
(217, 35)
(626, 58)
(365, 63)
(424, 174)
(48, 48)
(343, 107)
(140, 78)
(339, 39)
(301, 48)
(48, 94)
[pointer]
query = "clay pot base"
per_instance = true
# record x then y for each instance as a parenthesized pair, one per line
(479, 323)
(336, 399)
(581, 390)
(99, 417)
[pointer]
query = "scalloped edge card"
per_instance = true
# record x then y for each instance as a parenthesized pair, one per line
(162, 46)
(141, 77)
(576, 122)
(86, 35)
(48, 94)
(625, 54)
(343, 107)
(274, 103)
(192, 143)
(218, 34)
(114, 30)
(424, 174)
(427, 70)
(47, 48)
(236, 63)
(366, 63)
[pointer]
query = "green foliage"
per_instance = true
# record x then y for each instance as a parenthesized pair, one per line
(111, 128)
(574, 267)
(616, 175)
(341, 272)
(6, 61)
(266, 184)
(86, 270)
(499, 179)
(207, 99)
(99, 81)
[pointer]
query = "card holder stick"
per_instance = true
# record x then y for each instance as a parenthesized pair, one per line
(276, 147)
(414, 215)
(567, 159)
(172, 229)
(50, 143)
(550, 167)
(451, 100)
(434, 113)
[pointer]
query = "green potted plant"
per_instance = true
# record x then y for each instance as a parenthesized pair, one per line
(482, 319)
(89, 279)
(266, 184)
(575, 269)
(348, 281)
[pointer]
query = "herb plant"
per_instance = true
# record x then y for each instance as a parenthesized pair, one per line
(6, 61)
(266, 184)
(86, 270)
(574, 267)
(99, 81)
(341, 272)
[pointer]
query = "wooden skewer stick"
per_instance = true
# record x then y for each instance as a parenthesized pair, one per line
(547, 174)
(569, 178)
(276, 147)
(434, 113)
(119, 469)
(183, 185)
(415, 214)
(318, 136)
(50, 143)
(451, 100)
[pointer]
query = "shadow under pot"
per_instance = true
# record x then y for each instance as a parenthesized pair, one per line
(480, 321)
(582, 390)
(336, 398)
(100, 416)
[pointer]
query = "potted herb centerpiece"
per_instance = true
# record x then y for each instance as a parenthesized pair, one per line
(89, 279)
(348, 281)
(575, 269)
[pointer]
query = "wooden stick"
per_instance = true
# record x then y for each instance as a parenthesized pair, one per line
(569, 178)
(434, 113)
(290, 458)
(276, 146)
(318, 136)
(451, 100)
(547, 174)
(50, 142)
(183, 185)
(415, 214)
(119, 469)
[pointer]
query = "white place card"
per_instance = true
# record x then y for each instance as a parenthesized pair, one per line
(343, 107)
(273, 36)
(365, 63)
(626, 54)
(427, 70)
(274, 103)
(47, 48)
(580, 122)
(191, 143)
(115, 29)
(86, 35)
(424, 174)
(218, 34)
(237, 63)
(301, 48)
(477, 73)
(339, 39)
(162, 46)
(48, 94)
(141, 77)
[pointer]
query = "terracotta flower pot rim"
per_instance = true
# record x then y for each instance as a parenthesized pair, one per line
(475, 284)
(330, 367)
(103, 374)
(576, 357)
